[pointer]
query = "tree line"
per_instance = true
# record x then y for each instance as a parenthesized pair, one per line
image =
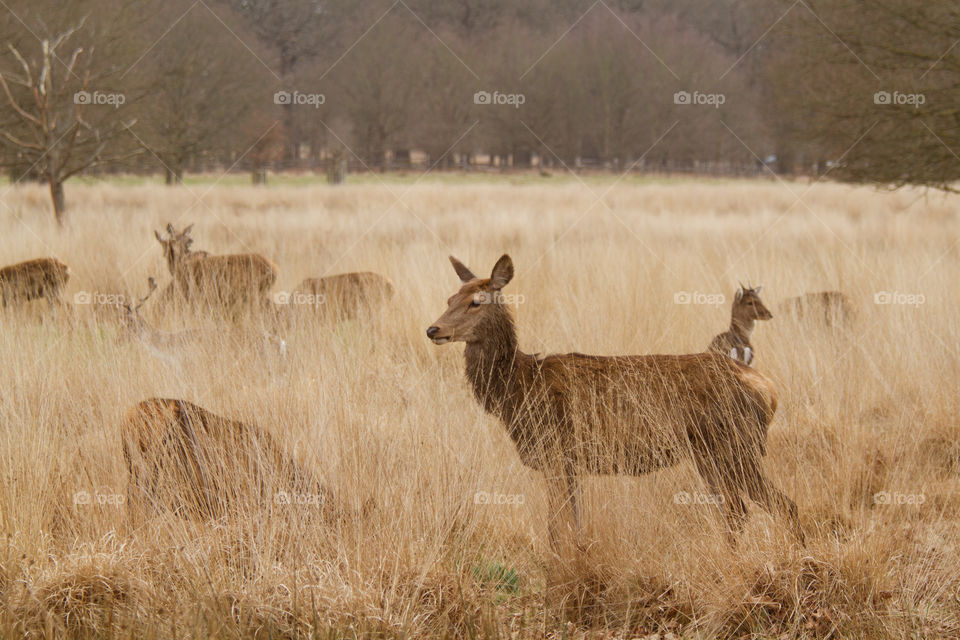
(859, 89)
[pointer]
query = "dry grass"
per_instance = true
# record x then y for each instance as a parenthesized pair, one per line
(387, 421)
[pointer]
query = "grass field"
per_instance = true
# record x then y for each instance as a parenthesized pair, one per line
(447, 536)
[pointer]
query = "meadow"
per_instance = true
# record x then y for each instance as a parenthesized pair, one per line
(446, 532)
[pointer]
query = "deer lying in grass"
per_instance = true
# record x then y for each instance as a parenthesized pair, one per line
(185, 459)
(827, 308)
(747, 309)
(343, 296)
(33, 279)
(227, 282)
(577, 414)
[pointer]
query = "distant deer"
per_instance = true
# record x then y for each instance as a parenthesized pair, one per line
(33, 279)
(185, 459)
(227, 281)
(827, 308)
(343, 296)
(747, 309)
(576, 414)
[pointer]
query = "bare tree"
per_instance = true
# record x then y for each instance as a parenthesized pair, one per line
(63, 119)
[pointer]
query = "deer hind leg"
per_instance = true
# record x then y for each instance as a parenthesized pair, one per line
(775, 502)
(724, 493)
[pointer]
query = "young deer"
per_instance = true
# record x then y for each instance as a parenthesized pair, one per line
(228, 281)
(185, 459)
(39, 278)
(827, 308)
(747, 309)
(577, 414)
(345, 295)
(162, 341)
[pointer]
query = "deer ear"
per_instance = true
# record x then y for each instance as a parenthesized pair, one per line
(170, 229)
(502, 273)
(159, 237)
(739, 295)
(463, 273)
(757, 290)
(187, 230)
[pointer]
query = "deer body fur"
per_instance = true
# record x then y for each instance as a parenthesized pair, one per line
(33, 279)
(183, 458)
(345, 295)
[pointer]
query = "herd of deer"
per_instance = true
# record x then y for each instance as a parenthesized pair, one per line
(568, 415)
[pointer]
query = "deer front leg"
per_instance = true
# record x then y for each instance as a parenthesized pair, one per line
(563, 523)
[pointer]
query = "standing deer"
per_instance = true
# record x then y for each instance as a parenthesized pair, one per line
(39, 278)
(576, 414)
(747, 309)
(227, 281)
(185, 459)
(343, 296)
(827, 308)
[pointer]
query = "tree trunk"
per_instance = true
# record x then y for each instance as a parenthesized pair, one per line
(59, 201)
(174, 175)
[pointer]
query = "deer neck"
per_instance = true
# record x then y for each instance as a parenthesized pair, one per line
(493, 360)
(742, 327)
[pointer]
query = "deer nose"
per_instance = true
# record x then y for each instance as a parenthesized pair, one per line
(432, 332)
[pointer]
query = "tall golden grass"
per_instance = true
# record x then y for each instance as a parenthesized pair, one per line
(447, 535)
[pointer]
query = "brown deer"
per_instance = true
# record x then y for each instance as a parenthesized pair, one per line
(576, 414)
(33, 279)
(826, 308)
(227, 281)
(747, 309)
(185, 459)
(343, 296)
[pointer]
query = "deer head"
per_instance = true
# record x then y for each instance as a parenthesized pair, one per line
(131, 312)
(176, 245)
(747, 306)
(477, 301)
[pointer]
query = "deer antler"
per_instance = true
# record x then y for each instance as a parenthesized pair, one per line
(153, 287)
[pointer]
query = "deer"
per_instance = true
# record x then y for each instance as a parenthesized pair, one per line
(227, 281)
(184, 459)
(571, 415)
(747, 309)
(343, 296)
(826, 308)
(33, 279)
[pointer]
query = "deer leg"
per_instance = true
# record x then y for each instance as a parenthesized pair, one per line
(563, 497)
(775, 502)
